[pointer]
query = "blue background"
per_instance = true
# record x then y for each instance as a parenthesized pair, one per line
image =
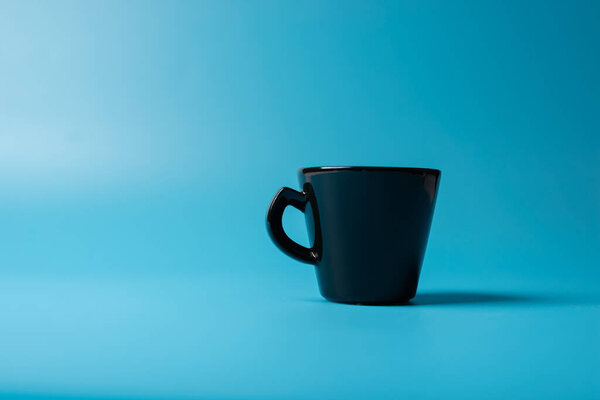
(141, 143)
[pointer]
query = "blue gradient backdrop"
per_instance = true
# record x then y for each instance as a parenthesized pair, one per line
(141, 142)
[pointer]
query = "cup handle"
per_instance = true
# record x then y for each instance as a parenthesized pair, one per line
(290, 197)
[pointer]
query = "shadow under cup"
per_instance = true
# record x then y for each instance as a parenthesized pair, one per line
(369, 228)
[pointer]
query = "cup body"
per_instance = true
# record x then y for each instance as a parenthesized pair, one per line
(373, 225)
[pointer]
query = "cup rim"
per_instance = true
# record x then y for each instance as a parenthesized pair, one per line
(313, 170)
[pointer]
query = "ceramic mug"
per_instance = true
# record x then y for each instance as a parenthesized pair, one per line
(368, 227)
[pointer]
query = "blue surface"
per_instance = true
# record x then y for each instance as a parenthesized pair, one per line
(141, 142)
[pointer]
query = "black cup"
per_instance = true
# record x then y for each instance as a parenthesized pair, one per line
(369, 228)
